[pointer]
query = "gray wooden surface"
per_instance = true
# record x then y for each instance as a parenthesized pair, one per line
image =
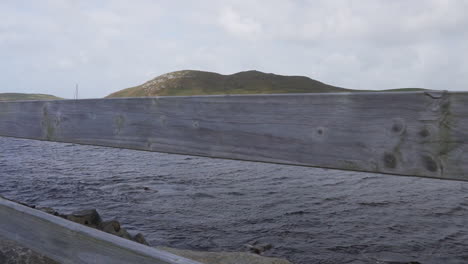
(69, 242)
(405, 133)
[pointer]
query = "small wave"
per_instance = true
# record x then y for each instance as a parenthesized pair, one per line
(333, 183)
(457, 210)
(352, 249)
(281, 178)
(374, 204)
(451, 237)
(235, 193)
(300, 212)
(335, 198)
(202, 195)
(366, 179)
(128, 172)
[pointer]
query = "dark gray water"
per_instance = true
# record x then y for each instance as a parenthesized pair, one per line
(309, 215)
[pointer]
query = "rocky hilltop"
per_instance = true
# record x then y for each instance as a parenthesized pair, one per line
(190, 82)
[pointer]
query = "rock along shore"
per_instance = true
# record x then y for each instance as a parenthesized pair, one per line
(13, 253)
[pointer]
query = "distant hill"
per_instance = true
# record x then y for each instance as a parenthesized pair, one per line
(189, 82)
(204, 83)
(24, 96)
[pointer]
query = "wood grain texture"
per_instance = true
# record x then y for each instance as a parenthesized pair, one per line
(68, 242)
(405, 133)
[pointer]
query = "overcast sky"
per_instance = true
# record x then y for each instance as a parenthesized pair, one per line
(48, 46)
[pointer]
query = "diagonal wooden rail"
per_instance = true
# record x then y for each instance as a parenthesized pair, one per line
(406, 133)
(72, 243)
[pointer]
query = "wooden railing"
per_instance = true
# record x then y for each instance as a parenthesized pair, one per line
(421, 134)
(406, 133)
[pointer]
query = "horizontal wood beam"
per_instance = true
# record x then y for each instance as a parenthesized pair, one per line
(68, 242)
(405, 133)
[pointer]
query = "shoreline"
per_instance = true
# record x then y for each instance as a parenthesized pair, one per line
(13, 252)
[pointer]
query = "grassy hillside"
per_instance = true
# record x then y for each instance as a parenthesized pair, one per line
(23, 96)
(190, 82)
(205, 83)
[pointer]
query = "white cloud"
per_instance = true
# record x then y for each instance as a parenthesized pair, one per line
(234, 23)
(65, 63)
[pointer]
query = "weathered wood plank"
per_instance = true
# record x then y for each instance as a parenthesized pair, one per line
(68, 242)
(414, 133)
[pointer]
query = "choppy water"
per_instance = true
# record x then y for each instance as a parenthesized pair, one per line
(309, 215)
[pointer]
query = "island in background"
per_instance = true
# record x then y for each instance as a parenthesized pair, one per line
(191, 82)
(25, 97)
